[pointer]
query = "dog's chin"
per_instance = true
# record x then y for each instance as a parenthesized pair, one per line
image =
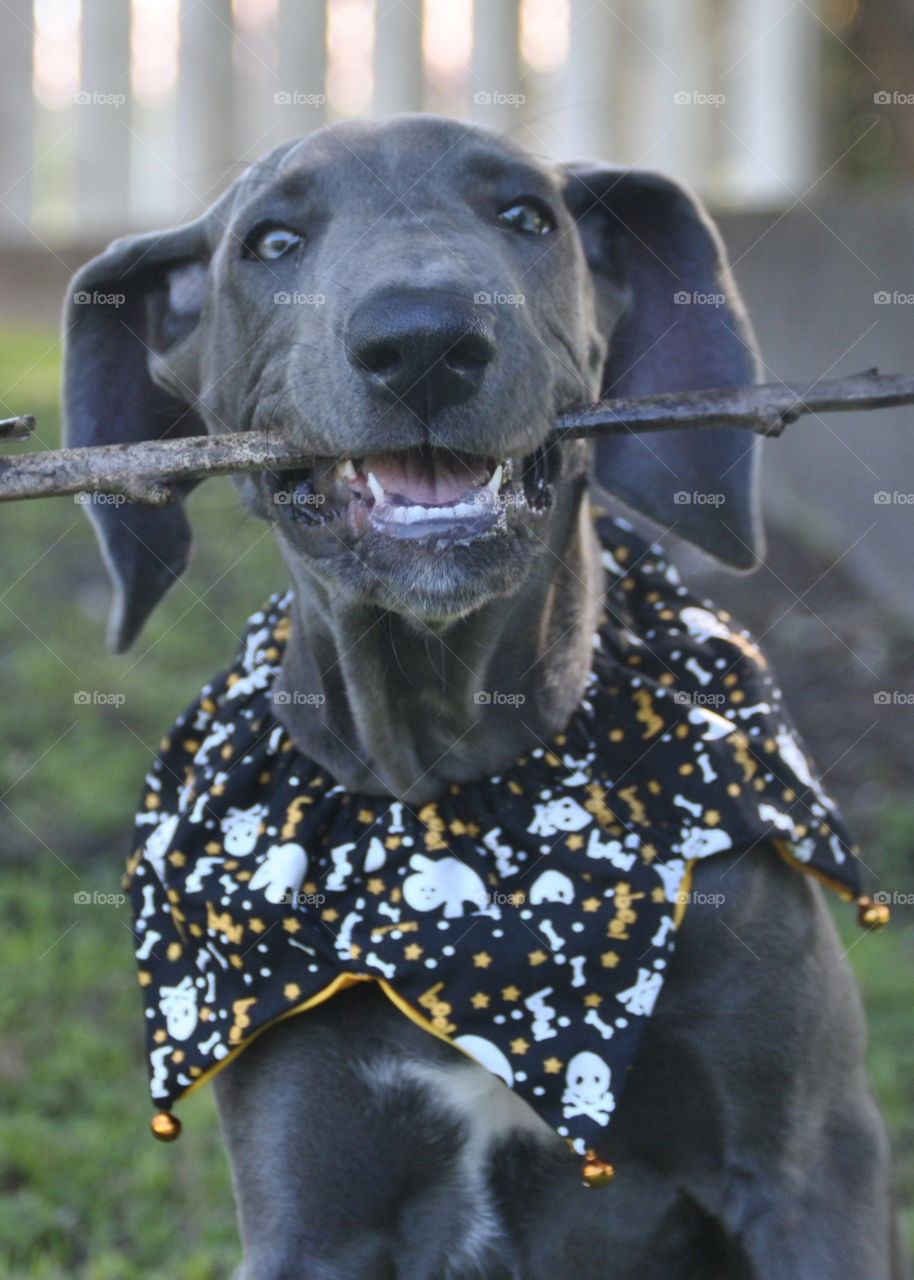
(431, 532)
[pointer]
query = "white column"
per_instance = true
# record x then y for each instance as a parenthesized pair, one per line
(588, 108)
(497, 92)
(256, 66)
(16, 110)
(302, 35)
(398, 76)
(206, 143)
(768, 123)
(671, 94)
(103, 119)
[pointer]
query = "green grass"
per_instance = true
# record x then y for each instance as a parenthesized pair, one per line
(84, 1190)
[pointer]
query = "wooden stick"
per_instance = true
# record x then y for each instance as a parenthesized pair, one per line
(142, 472)
(766, 409)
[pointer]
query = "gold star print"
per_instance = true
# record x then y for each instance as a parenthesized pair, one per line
(160, 1036)
(457, 828)
(657, 895)
(537, 957)
(174, 950)
(375, 885)
(255, 925)
(354, 951)
(574, 842)
(519, 1046)
(329, 914)
(393, 842)
(365, 815)
(609, 959)
(177, 859)
(482, 959)
(412, 951)
(591, 904)
(480, 1000)
(552, 1066)
(510, 993)
(291, 926)
(291, 990)
(593, 1001)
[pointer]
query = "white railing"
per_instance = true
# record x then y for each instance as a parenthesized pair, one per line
(120, 113)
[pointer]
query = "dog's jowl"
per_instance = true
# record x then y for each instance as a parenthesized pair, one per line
(487, 883)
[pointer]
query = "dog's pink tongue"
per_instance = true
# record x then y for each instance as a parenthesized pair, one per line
(426, 478)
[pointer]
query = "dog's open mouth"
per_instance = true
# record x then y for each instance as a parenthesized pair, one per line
(420, 492)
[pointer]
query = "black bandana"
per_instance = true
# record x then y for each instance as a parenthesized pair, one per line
(528, 919)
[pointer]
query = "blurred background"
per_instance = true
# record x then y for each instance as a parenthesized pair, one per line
(794, 119)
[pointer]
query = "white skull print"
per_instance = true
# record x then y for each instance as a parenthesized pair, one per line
(587, 1089)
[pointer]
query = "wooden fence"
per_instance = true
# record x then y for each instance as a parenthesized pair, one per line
(131, 113)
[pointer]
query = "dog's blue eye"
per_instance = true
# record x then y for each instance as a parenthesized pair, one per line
(525, 216)
(274, 243)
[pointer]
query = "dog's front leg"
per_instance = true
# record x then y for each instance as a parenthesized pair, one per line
(347, 1161)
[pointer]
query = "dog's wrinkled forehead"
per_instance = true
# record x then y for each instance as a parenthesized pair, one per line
(408, 165)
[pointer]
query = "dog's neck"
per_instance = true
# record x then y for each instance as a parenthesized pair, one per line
(392, 705)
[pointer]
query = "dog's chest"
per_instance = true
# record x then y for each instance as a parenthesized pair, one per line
(529, 919)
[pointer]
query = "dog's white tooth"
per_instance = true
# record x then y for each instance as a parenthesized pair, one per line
(377, 489)
(346, 470)
(495, 483)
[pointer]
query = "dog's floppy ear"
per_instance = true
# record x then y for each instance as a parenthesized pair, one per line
(139, 300)
(683, 329)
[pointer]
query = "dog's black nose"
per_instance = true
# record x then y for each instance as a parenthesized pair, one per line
(423, 347)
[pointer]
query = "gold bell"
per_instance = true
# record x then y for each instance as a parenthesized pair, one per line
(165, 1126)
(596, 1172)
(872, 915)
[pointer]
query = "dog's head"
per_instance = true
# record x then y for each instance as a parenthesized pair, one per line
(415, 302)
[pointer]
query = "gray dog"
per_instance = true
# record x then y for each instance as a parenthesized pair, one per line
(415, 302)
